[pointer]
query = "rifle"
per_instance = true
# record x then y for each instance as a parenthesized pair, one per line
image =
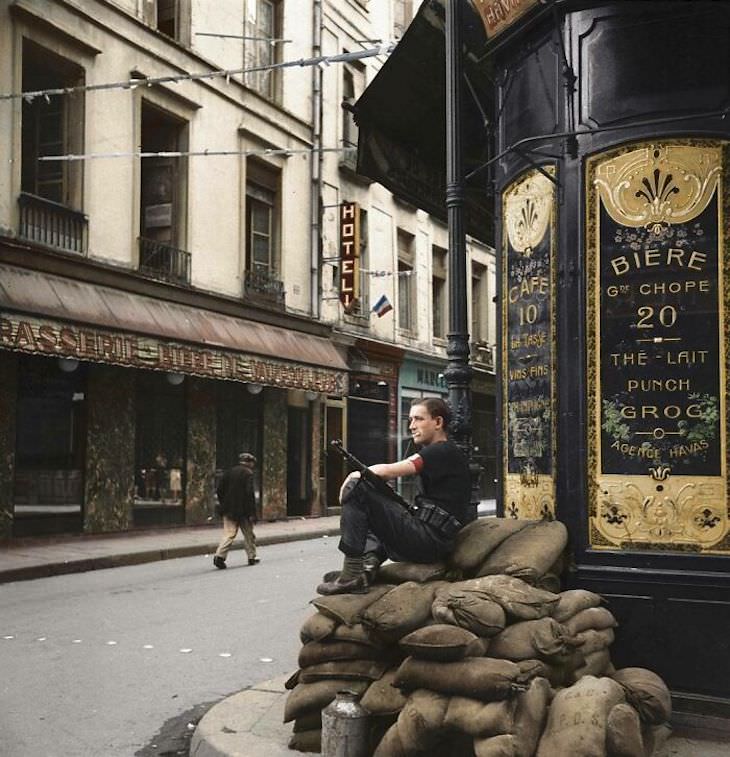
(374, 481)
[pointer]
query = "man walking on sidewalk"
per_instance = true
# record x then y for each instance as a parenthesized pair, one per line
(237, 505)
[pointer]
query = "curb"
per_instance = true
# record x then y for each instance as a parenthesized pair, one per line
(151, 555)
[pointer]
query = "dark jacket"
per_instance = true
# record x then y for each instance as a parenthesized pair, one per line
(235, 493)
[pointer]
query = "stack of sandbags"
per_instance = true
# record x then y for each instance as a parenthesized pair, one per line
(530, 550)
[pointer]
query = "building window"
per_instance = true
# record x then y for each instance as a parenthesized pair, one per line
(353, 85)
(406, 283)
(170, 17)
(262, 28)
(163, 198)
(478, 303)
(161, 443)
(402, 16)
(262, 233)
(51, 191)
(438, 291)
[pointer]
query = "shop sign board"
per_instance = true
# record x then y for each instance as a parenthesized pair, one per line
(528, 342)
(658, 348)
(25, 333)
(349, 254)
(498, 15)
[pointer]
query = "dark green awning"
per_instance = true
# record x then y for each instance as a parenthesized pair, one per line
(402, 118)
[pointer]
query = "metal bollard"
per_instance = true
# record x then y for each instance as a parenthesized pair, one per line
(345, 727)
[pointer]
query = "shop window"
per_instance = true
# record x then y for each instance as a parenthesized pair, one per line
(262, 279)
(368, 420)
(50, 445)
(161, 442)
(402, 17)
(406, 288)
(163, 198)
(51, 191)
(438, 291)
(299, 461)
(261, 48)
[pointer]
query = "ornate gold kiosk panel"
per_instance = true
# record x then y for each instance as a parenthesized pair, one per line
(528, 344)
(657, 347)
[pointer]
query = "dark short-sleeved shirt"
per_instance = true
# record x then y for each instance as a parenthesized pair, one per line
(445, 478)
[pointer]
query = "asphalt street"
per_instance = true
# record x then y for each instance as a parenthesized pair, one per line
(95, 664)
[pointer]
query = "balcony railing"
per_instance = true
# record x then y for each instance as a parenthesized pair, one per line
(262, 284)
(52, 224)
(160, 261)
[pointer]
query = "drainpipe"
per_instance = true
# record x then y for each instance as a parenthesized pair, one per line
(315, 200)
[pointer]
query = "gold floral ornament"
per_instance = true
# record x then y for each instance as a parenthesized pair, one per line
(659, 185)
(528, 208)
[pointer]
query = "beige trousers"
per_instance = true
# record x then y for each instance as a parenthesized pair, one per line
(230, 529)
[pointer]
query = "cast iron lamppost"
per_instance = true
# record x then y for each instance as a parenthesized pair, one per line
(458, 371)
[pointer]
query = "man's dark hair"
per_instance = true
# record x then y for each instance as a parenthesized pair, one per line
(436, 408)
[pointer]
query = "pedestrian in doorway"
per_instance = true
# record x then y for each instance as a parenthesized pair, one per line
(374, 527)
(237, 505)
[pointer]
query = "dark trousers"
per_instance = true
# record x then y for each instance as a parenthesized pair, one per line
(371, 522)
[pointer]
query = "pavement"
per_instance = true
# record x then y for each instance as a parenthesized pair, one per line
(248, 723)
(24, 559)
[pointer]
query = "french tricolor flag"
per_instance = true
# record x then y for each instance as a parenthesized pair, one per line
(382, 306)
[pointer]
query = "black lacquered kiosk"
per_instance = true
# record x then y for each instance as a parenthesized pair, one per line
(596, 149)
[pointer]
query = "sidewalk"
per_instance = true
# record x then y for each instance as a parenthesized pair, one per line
(38, 558)
(249, 724)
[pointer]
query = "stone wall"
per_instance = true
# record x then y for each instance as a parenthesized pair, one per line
(201, 450)
(110, 448)
(274, 465)
(8, 395)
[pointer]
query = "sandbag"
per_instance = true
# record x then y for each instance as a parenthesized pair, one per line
(399, 611)
(316, 651)
(549, 582)
(596, 664)
(356, 633)
(306, 697)
(442, 642)
(597, 618)
(316, 628)
(654, 737)
(401, 572)
(576, 724)
(476, 540)
(421, 719)
(623, 732)
(529, 553)
(472, 610)
(476, 718)
(532, 708)
(647, 693)
(571, 602)
(495, 746)
(307, 741)
(543, 638)
(476, 677)
(519, 600)
(361, 670)
(390, 745)
(348, 608)
(593, 641)
(312, 721)
(382, 697)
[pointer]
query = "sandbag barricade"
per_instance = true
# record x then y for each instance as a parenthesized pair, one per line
(479, 657)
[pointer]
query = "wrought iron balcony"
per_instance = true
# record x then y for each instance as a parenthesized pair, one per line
(262, 284)
(161, 261)
(52, 224)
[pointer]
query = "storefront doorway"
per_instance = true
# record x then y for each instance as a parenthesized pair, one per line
(50, 452)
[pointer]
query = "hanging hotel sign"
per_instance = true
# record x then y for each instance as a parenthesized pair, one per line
(657, 366)
(349, 255)
(498, 15)
(44, 337)
(528, 342)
